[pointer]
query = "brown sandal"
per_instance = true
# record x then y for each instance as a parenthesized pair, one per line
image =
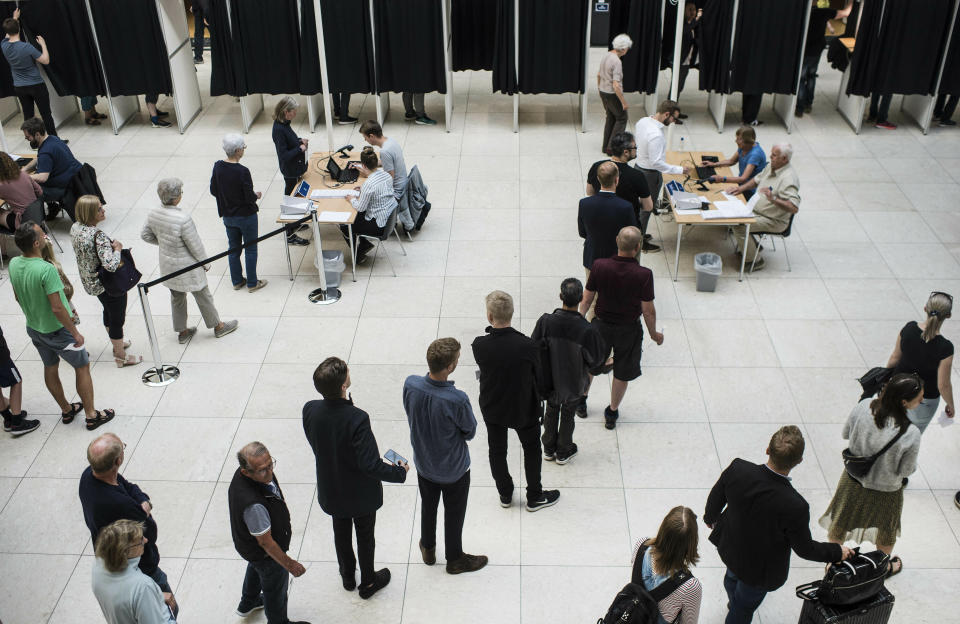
(91, 121)
(102, 417)
(67, 417)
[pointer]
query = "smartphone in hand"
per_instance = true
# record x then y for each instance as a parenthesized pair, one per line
(392, 457)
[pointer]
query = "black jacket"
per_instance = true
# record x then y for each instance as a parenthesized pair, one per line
(763, 520)
(349, 468)
(690, 40)
(574, 346)
(291, 158)
(599, 220)
(242, 493)
(509, 375)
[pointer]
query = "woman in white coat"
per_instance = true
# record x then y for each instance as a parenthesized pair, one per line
(176, 234)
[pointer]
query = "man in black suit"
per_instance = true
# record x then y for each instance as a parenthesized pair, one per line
(757, 518)
(509, 365)
(349, 472)
(601, 217)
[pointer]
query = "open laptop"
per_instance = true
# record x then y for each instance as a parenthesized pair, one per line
(705, 172)
(303, 190)
(343, 176)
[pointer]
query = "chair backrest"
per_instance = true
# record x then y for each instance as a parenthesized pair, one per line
(34, 212)
(391, 224)
(786, 232)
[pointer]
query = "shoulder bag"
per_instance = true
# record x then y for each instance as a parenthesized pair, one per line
(125, 277)
(857, 466)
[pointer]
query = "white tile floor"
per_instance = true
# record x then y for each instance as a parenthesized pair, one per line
(877, 231)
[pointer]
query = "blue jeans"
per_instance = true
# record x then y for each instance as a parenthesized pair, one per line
(241, 230)
(808, 82)
(743, 599)
(271, 579)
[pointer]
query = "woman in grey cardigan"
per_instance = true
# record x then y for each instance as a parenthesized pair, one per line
(175, 233)
(868, 509)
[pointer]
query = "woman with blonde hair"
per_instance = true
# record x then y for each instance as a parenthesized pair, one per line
(95, 249)
(291, 152)
(668, 555)
(921, 349)
(48, 255)
(124, 592)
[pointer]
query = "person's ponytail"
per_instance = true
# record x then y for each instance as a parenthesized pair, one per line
(939, 307)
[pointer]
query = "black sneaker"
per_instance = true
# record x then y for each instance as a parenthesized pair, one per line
(581, 410)
(466, 563)
(159, 123)
(346, 120)
(380, 580)
(161, 113)
(409, 116)
(293, 239)
(563, 458)
(8, 421)
(610, 416)
(21, 425)
(945, 123)
(647, 237)
(506, 501)
(349, 581)
(798, 113)
(245, 610)
(956, 499)
(649, 247)
(425, 121)
(549, 455)
(547, 499)
(198, 61)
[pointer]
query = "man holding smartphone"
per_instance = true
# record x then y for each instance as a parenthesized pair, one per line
(349, 473)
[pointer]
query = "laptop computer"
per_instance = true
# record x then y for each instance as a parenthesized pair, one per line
(705, 172)
(303, 190)
(343, 176)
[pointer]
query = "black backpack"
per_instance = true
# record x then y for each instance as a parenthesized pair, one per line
(634, 604)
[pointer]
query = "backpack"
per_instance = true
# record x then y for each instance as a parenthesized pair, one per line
(634, 604)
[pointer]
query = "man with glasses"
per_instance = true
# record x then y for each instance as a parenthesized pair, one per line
(107, 497)
(260, 524)
(652, 146)
(632, 185)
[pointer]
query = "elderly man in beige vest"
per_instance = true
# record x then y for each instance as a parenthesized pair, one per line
(778, 190)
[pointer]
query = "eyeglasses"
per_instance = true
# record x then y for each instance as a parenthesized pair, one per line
(947, 295)
(266, 469)
(632, 148)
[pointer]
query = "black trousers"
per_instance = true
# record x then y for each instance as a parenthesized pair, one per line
(343, 541)
(198, 26)
(454, 510)
(36, 94)
(684, 70)
(945, 107)
(558, 425)
(751, 107)
(616, 121)
(114, 314)
(341, 104)
(880, 106)
(530, 442)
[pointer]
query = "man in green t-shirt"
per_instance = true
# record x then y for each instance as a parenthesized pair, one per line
(39, 291)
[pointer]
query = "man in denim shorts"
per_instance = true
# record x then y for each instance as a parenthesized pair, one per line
(39, 291)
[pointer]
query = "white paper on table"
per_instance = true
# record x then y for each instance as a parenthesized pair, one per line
(728, 210)
(753, 202)
(729, 197)
(329, 216)
(691, 212)
(944, 420)
(323, 193)
(703, 199)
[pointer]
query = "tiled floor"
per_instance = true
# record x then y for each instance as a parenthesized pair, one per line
(878, 230)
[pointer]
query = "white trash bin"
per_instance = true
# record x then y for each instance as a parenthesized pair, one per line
(708, 267)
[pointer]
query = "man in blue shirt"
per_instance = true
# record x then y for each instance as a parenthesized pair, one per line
(27, 82)
(441, 422)
(54, 166)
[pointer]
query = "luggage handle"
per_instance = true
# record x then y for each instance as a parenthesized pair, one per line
(808, 591)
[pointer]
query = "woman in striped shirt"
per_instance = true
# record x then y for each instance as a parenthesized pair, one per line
(375, 203)
(673, 550)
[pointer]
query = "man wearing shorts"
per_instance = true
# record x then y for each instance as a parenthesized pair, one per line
(624, 292)
(14, 418)
(39, 291)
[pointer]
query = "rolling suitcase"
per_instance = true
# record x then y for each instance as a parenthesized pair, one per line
(874, 610)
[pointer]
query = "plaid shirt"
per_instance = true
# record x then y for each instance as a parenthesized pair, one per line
(376, 197)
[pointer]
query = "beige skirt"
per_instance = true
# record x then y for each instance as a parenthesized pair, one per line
(861, 515)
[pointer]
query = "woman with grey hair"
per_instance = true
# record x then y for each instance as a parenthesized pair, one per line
(232, 185)
(610, 85)
(174, 231)
(291, 153)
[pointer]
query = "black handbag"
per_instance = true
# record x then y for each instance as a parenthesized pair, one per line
(123, 279)
(874, 380)
(848, 582)
(857, 466)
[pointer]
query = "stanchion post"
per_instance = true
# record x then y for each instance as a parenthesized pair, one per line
(322, 295)
(161, 374)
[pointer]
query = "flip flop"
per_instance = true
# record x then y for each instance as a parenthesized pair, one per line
(91, 121)
(890, 571)
(67, 417)
(102, 417)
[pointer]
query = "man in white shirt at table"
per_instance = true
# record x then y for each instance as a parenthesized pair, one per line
(652, 147)
(778, 199)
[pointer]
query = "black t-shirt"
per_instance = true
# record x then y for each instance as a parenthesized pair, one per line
(922, 357)
(632, 186)
(817, 31)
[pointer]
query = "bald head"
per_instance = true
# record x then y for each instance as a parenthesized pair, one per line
(628, 240)
(104, 452)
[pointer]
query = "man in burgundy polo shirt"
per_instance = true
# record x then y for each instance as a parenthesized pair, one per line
(624, 292)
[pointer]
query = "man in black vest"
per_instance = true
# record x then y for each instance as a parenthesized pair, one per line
(260, 524)
(509, 365)
(757, 518)
(349, 472)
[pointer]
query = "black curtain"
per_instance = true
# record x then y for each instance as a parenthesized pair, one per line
(409, 38)
(226, 73)
(268, 38)
(504, 59)
(669, 33)
(950, 82)
(552, 46)
(619, 18)
(310, 81)
(74, 68)
(348, 42)
(641, 65)
(716, 29)
(132, 47)
(768, 45)
(899, 47)
(473, 28)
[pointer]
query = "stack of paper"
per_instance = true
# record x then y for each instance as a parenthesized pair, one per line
(294, 207)
(324, 193)
(728, 210)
